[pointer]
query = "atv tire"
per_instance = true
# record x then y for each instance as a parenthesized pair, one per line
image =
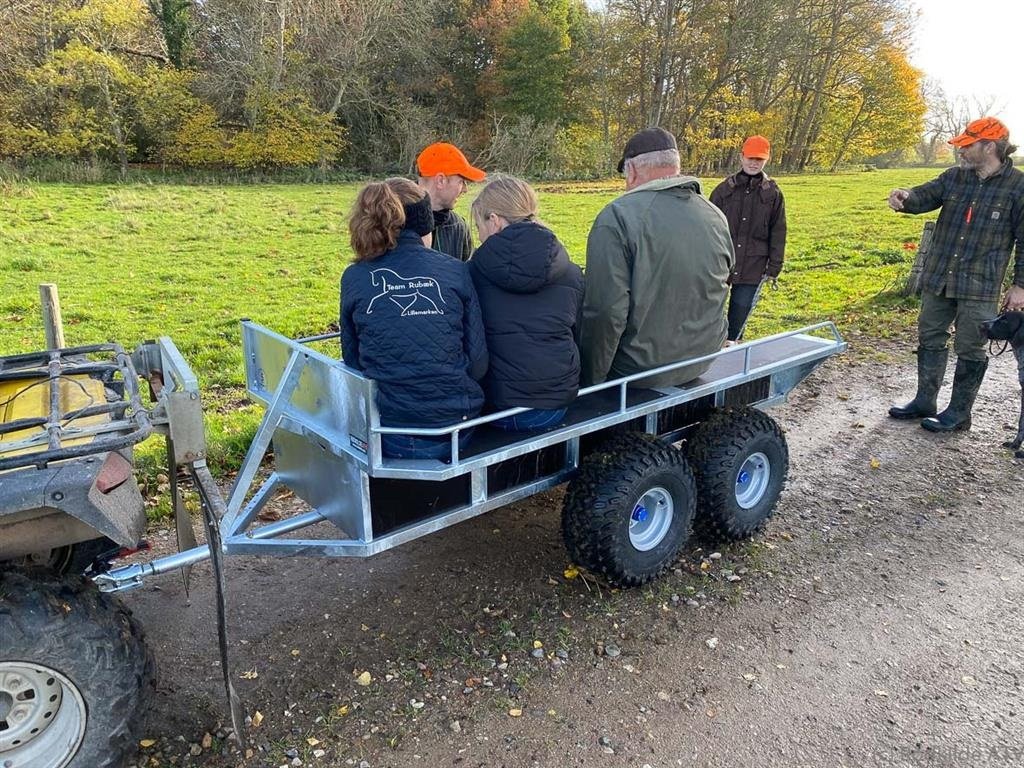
(629, 510)
(740, 460)
(75, 674)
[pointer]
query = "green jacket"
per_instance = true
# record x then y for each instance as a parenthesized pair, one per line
(658, 259)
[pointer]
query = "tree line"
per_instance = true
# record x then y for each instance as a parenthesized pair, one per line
(540, 87)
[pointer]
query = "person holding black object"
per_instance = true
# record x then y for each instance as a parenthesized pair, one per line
(980, 224)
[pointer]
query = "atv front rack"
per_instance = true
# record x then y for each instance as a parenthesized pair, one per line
(92, 405)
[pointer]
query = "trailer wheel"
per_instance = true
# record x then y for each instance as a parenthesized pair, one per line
(740, 460)
(75, 673)
(629, 510)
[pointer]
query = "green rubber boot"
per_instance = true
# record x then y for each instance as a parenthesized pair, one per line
(931, 367)
(966, 382)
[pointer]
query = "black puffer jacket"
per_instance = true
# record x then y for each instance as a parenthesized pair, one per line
(530, 295)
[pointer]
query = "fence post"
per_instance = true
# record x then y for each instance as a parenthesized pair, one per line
(913, 284)
(53, 324)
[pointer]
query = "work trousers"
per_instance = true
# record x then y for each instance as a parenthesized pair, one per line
(938, 313)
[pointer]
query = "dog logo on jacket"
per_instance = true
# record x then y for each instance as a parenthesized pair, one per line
(413, 295)
(1009, 327)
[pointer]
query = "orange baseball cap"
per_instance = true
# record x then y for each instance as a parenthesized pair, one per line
(757, 147)
(447, 159)
(982, 129)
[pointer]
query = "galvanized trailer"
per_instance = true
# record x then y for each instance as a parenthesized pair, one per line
(322, 421)
(633, 497)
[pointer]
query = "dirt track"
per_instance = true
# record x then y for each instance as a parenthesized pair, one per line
(877, 621)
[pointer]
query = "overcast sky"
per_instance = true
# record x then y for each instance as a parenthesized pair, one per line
(974, 49)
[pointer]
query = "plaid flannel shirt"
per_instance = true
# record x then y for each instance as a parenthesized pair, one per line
(980, 223)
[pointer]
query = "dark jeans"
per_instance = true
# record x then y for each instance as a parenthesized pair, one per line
(527, 420)
(419, 447)
(742, 299)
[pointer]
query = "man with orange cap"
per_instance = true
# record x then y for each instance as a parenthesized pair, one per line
(443, 172)
(756, 212)
(981, 220)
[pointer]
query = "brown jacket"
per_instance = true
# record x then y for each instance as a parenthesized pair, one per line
(756, 213)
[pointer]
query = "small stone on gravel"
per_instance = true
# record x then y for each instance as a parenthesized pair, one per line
(611, 650)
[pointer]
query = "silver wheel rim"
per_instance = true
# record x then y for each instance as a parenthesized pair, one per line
(651, 518)
(752, 480)
(42, 716)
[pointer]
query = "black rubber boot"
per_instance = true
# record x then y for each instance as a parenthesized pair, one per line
(966, 381)
(931, 367)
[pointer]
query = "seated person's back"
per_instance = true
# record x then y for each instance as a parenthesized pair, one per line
(658, 261)
(410, 319)
(530, 295)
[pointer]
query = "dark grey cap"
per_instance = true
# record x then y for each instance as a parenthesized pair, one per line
(647, 140)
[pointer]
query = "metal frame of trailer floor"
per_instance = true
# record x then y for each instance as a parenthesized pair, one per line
(322, 420)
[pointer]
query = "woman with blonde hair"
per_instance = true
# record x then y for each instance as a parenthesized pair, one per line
(410, 319)
(530, 295)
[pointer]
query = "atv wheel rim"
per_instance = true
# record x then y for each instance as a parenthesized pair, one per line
(650, 519)
(752, 480)
(42, 717)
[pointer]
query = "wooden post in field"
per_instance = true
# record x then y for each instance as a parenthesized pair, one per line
(53, 324)
(913, 285)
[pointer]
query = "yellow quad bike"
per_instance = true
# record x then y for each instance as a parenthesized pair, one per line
(74, 669)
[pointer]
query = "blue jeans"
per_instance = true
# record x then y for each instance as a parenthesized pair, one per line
(528, 420)
(419, 447)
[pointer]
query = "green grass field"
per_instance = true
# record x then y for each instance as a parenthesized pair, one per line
(138, 261)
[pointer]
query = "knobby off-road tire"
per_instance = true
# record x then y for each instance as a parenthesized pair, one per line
(75, 674)
(740, 460)
(629, 510)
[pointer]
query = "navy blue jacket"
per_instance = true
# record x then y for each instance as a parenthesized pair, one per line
(530, 294)
(411, 320)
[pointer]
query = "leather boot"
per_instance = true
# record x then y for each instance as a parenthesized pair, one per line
(966, 381)
(931, 367)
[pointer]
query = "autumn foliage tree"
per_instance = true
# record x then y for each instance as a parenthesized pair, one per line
(548, 87)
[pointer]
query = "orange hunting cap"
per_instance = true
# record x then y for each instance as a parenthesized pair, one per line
(982, 129)
(757, 147)
(447, 159)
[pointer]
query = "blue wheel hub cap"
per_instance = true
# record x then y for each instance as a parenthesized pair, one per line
(752, 480)
(650, 519)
